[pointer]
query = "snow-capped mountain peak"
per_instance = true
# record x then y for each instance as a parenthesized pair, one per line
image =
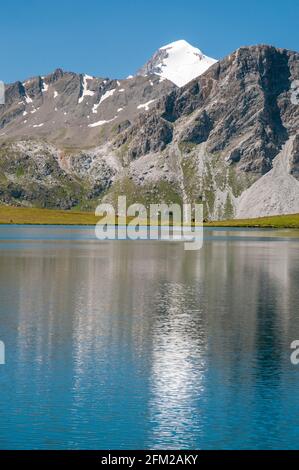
(178, 62)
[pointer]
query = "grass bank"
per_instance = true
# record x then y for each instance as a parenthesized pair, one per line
(277, 221)
(32, 216)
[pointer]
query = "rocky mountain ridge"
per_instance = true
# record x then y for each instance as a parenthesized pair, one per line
(72, 109)
(229, 138)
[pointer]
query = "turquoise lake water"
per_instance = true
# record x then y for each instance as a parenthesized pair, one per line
(142, 345)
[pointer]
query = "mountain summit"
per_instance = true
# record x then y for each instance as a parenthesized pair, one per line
(178, 62)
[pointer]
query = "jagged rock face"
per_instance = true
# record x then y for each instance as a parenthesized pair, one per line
(155, 140)
(228, 139)
(241, 106)
(295, 158)
(200, 131)
(154, 65)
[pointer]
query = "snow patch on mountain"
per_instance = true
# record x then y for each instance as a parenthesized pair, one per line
(45, 87)
(85, 92)
(178, 62)
(28, 99)
(146, 106)
(105, 96)
(102, 122)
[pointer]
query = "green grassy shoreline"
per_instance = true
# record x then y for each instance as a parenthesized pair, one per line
(276, 221)
(34, 216)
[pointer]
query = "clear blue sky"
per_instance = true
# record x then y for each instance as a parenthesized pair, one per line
(114, 38)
